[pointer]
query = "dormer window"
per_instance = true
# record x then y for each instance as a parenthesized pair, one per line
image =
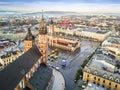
(105, 75)
(117, 80)
(95, 72)
(111, 78)
(88, 70)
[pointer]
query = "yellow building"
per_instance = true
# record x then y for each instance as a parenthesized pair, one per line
(9, 57)
(91, 34)
(103, 70)
(95, 35)
(112, 45)
(115, 52)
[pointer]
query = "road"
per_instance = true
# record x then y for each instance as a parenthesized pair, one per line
(74, 61)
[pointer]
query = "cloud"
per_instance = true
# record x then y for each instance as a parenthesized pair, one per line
(60, 6)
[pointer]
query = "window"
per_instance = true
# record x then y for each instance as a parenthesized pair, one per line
(102, 85)
(116, 86)
(117, 80)
(88, 75)
(95, 78)
(88, 70)
(110, 83)
(95, 72)
(98, 79)
(111, 78)
(87, 80)
(103, 81)
(105, 75)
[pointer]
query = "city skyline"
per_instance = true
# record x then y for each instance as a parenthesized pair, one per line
(90, 6)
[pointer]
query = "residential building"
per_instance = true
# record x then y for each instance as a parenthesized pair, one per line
(112, 45)
(93, 33)
(112, 41)
(103, 70)
(9, 57)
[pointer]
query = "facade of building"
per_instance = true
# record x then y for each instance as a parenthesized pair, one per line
(115, 52)
(9, 57)
(112, 41)
(13, 36)
(95, 35)
(60, 42)
(16, 36)
(112, 45)
(6, 44)
(91, 34)
(103, 70)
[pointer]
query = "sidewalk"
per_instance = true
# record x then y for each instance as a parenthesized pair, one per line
(59, 82)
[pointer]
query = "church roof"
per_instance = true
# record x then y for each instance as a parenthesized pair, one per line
(12, 74)
(41, 77)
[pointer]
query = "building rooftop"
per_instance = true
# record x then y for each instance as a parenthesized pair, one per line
(12, 74)
(113, 39)
(94, 30)
(29, 35)
(41, 77)
(92, 86)
(103, 65)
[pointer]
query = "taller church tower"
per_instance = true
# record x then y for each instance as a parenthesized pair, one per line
(51, 27)
(51, 32)
(42, 40)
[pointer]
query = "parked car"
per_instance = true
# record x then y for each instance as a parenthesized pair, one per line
(57, 68)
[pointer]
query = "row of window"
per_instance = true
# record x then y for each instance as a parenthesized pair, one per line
(105, 76)
(103, 81)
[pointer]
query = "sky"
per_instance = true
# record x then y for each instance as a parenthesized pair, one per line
(88, 6)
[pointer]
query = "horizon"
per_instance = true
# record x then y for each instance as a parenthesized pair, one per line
(81, 6)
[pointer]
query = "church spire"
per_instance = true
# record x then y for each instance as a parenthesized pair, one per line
(29, 40)
(29, 35)
(51, 21)
(42, 16)
(43, 27)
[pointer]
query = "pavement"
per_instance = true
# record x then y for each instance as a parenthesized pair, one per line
(59, 82)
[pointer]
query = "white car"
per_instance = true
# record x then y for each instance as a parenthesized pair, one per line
(57, 68)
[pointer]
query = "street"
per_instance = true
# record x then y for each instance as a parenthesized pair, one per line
(74, 61)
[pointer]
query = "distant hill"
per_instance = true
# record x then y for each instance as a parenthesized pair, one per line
(54, 13)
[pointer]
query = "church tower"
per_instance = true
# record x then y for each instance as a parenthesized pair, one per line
(51, 31)
(51, 27)
(42, 40)
(29, 40)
